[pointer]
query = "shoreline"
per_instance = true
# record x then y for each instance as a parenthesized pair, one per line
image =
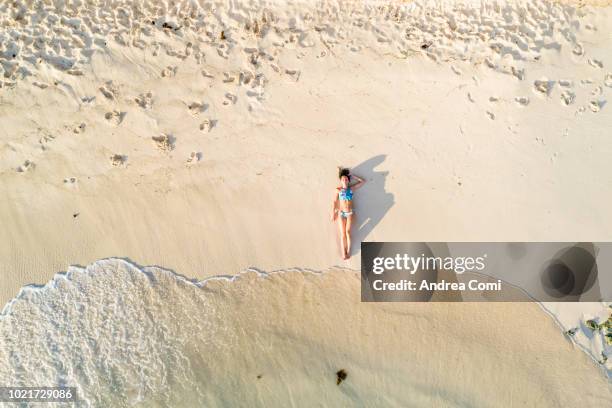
(547, 308)
(249, 303)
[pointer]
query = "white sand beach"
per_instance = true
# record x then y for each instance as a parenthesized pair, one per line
(203, 137)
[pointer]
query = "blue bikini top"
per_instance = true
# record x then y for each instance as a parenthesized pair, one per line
(345, 194)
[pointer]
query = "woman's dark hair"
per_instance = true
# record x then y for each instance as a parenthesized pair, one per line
(344, 172)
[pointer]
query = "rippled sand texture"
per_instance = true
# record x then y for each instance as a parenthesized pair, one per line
(128, 335)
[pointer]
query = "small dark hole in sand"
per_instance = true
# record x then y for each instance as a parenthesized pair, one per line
(424, 46)
(75, 215)
(223, 35)
(259, 376)
(341, 376)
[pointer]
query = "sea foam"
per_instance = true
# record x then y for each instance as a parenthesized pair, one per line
(126, 335)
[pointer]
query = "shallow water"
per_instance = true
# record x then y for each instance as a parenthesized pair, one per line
(131, 336)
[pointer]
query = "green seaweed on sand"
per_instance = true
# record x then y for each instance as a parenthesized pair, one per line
(341, 376)
(592, 324)
(607, 324)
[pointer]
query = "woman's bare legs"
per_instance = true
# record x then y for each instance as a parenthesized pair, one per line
(347, 228)
(342, 232)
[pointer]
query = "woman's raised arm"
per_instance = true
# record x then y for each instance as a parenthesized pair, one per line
(359, 184)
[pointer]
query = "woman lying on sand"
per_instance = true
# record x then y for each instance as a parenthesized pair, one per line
(343, 206)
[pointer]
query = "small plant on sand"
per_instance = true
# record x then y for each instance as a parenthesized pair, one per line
(592, 324)
(607, 324)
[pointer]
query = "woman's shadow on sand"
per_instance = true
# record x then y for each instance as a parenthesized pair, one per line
(372, 200)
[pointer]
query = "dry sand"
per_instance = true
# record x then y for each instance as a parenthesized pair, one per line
(448, 149)
(204, 136)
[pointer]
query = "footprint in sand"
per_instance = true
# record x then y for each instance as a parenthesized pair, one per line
(258, 94)
(199, 57)
(518, 73)
(522, 100)
(88, 100)
(595, 63)
(206, 74)
(566, 83)
(491, 115)
(80, 128)
(197, 107)
(596, 106)
(169, 71)
(207, 125)
(164, 142)
(115, 117)
(568, 97)
(155, 49)
(608, 80)
(254, 60)
(597, 91)
(222, 53)
(118, 160)
(75, 72)
(229, 77)
(293, 73)
(543, 86)
(230, 99)
(109, 90)
(40, 85)
(145, 100)
(578, 49)
(455, 70)
(194, 157)
(45, 139)
(245, 77)
(26, 166)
